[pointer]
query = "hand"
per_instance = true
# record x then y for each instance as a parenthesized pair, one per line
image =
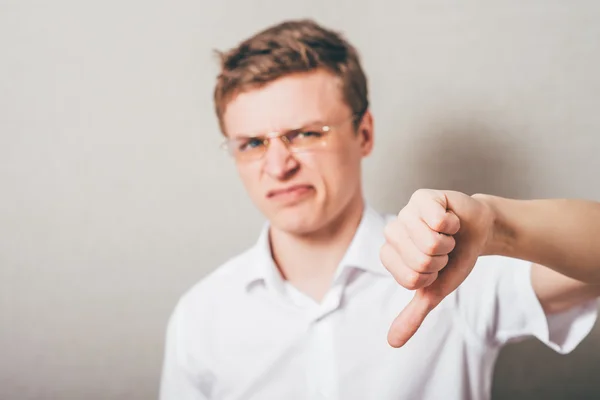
(431, 248)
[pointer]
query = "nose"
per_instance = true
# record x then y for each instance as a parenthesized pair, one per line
(279, 160)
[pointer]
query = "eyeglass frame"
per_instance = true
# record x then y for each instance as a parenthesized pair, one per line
(282, 135)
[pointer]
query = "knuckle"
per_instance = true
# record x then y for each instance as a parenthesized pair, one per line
(442, 221)
(419, 193)
(383, 255)
(411, 280)
(395, 234)
(424, 262)
(438, 263)
(389, 232)
(440, 224)
(409, 215)
(433, 243)
(452, 222)
(403, 214)
(388, 257)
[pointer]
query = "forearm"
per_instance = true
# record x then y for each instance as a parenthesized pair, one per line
(563, 235)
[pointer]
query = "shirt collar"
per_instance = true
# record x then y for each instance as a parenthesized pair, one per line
(362, 253)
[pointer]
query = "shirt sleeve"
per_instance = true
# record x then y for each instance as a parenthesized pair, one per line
(499, 305)
(180, 379)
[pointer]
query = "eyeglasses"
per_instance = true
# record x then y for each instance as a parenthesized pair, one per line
(307, 138)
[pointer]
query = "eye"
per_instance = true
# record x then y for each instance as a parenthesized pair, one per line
(305, 134)
(311, 134)
(250, 144)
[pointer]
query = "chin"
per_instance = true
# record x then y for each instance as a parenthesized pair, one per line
(297, 220)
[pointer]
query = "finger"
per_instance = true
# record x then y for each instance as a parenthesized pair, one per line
(423, 263)
(410, 319)
(435, 214)
(396, 234)
(404, 275)
(427, 240)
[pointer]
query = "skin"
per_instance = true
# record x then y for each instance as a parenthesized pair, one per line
(318, 222)
(433, 244)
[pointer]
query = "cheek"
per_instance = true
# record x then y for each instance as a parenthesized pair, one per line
(250, 177)
(313, 166)
(333, 170)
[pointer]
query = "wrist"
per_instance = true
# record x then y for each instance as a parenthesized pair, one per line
(501, 234)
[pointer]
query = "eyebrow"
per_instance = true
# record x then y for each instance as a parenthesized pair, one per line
(310, 123)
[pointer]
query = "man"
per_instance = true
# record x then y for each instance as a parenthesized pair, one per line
(305, 313)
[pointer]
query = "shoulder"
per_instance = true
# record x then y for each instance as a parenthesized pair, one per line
(195, 322)
(202, 311)
(224, 282)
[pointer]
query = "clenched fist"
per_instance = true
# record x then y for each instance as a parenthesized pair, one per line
(431, 248)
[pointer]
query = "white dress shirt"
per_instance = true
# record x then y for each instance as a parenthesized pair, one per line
(244, 333)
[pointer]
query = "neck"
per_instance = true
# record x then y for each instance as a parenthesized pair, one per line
(309, 262)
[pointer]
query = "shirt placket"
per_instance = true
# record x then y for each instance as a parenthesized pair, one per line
(322, 368)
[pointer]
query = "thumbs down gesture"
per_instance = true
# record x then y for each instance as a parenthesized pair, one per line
(431, 247)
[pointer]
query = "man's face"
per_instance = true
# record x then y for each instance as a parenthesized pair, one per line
(301, 192)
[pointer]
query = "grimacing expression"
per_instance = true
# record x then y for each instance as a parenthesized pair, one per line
(303, 183)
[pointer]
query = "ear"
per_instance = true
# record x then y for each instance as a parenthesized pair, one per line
(365, 133)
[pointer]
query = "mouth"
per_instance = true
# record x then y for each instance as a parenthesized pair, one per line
(290, 193)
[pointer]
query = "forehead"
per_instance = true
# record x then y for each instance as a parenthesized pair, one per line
(288, 102)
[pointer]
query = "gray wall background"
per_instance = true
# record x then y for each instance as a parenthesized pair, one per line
(114, 196)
